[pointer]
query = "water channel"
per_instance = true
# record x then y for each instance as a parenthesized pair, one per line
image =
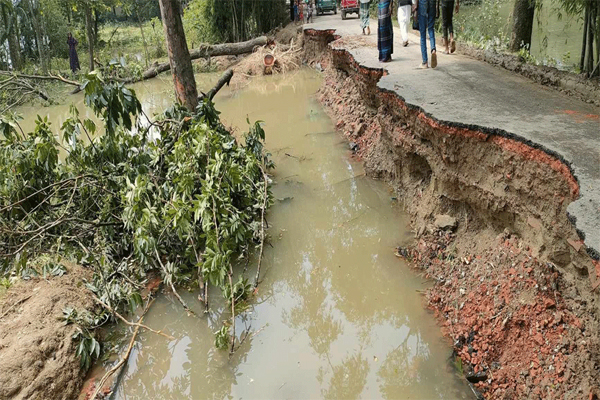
(337, 315)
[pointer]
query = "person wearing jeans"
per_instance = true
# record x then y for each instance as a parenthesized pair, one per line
(403, 19)
(427, 12)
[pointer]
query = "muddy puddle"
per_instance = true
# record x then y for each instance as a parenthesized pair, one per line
(337, 315)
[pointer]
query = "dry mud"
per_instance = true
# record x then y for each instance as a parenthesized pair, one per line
(513, 285)
(37, 350)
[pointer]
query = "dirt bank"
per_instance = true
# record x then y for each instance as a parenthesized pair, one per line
(487, 187)
(37, 350)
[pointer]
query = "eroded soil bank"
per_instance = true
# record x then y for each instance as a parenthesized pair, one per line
(38, 358)
(514, 287)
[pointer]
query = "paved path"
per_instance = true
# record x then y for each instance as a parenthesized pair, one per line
(467, 91)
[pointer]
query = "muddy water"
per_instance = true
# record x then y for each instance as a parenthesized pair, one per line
(337, 315)
(155, 95)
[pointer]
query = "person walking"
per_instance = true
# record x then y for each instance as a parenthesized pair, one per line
(73, 59)
(304, 12)
(364, 16)
(427, 10)
(448, 7)
(404, 10)
(385, 31)
(296, 10)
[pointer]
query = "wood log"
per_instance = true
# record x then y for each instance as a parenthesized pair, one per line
(224, 49)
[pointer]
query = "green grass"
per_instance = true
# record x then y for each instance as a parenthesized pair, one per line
(125, 41)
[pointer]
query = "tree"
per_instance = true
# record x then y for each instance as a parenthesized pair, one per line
(591, 34)
(179, 56)
(522, 29)
(589, 10)
(235, 21)
(90, 32)
(37, 30)
(8, 15)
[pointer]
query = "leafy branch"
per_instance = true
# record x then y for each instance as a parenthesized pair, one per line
(182, 197)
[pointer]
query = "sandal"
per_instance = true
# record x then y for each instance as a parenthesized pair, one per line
(423, 66)
(452, 46)
(433, 59)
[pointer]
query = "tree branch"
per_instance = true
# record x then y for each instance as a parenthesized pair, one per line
(109, 308)
(125, 357)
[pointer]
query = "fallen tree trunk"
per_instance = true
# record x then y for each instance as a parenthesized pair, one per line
(225, 49)
(40, 77)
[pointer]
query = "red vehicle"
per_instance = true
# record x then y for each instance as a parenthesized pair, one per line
(349, 7)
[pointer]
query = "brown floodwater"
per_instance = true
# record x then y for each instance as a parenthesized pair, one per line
(337, 315)
(156, 95)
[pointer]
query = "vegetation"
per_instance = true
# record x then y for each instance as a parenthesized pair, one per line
(490, 25)
(178, 195)
(122, 38)
(589, 12)
(233, 21)
(132, 27)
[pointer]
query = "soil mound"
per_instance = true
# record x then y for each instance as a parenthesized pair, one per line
(37, 350)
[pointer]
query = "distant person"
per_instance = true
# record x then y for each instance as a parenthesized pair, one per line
(385, 31)
(427, 12)
(309, 15)
(448, 7)
(365, 19)
(73, 59)
(404, 10)
(296, 11)
(304, 7)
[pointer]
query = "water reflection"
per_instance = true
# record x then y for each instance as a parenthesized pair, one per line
(348, 378)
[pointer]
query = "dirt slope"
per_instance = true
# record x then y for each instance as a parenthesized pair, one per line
(37, 351)
(513, 285)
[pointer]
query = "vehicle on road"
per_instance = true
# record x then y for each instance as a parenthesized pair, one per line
(349, 7)
(326, 6)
